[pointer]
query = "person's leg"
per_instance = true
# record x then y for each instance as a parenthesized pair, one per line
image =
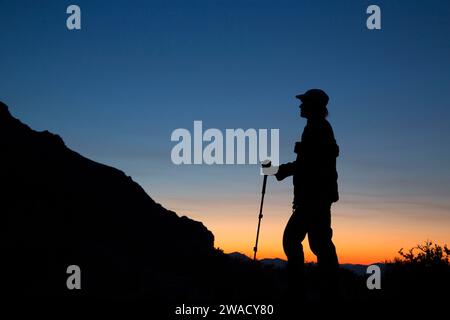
(320, 240)
(293, 236)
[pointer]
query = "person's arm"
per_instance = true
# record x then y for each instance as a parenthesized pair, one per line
(286, 170)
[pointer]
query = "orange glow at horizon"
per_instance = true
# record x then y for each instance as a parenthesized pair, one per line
(361, 235)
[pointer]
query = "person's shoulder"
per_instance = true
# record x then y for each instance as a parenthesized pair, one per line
(321, 126)
(327, 125)
(327, 128)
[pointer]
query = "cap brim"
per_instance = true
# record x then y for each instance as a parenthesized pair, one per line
(301, 97)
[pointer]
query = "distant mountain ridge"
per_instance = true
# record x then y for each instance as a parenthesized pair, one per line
(358, 269)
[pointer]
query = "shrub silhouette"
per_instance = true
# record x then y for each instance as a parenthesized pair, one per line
(422, 272)
(429, 254)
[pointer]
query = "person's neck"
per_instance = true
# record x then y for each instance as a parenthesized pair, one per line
(314, 119)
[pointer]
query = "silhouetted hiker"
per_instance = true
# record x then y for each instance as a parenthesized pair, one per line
(315, 189)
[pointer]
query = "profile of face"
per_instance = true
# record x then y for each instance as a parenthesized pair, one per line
(305, 110)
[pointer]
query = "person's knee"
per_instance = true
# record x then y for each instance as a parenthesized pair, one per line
(292, 246)
(322, 247)
(316, 240)
(315, 247)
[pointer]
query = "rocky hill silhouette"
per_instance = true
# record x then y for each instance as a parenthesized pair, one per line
(59, 208)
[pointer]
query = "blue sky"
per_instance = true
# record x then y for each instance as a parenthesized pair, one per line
(116, 89)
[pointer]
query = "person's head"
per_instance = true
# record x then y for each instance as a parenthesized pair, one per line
(313, 104)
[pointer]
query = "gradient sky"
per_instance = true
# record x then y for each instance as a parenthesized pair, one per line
(137, 70)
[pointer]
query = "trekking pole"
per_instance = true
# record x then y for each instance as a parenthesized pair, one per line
(255, 248)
